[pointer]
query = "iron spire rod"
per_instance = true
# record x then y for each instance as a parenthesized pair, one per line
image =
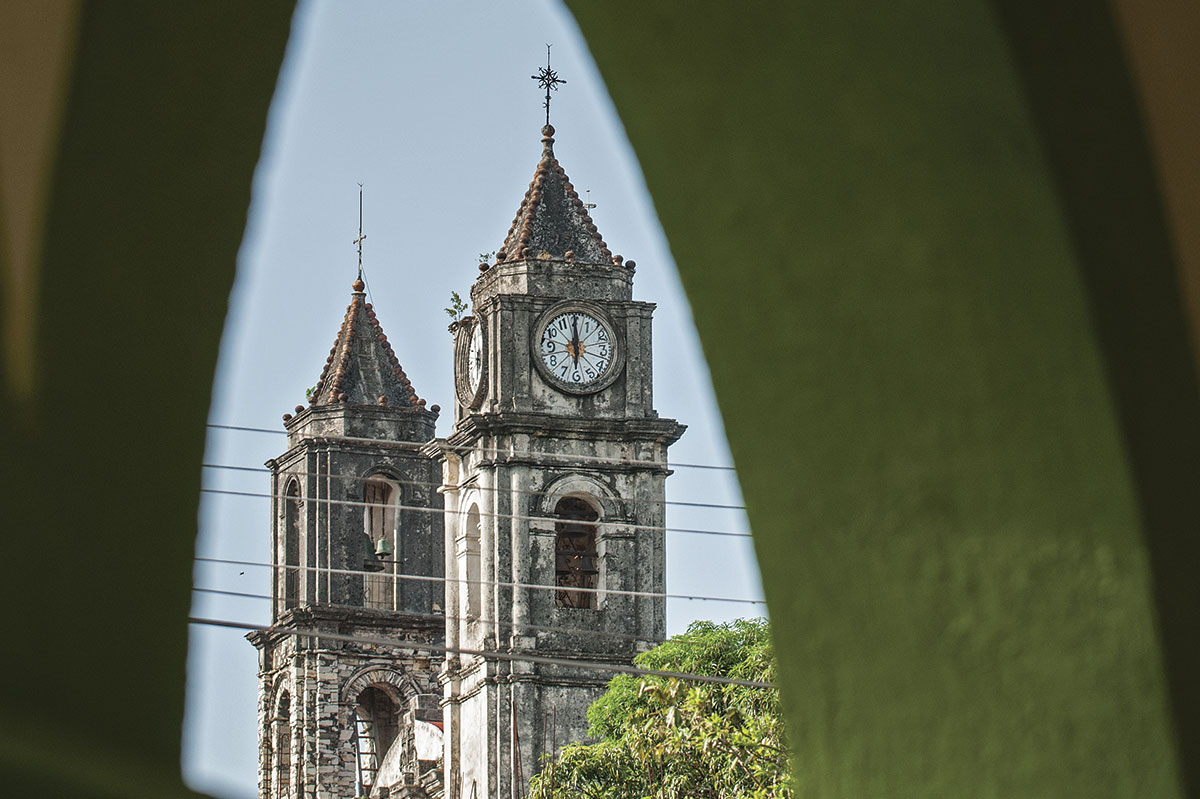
(358, 241)
(547, 79)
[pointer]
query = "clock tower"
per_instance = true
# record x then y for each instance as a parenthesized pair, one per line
(553, 480)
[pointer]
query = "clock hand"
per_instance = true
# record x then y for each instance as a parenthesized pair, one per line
(575, 340)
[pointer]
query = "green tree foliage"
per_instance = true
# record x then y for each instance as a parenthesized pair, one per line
(457, 306)
(663, 738)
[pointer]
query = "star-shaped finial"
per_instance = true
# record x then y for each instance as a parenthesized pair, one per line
(547, 79)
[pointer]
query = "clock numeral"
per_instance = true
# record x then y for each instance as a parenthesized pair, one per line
(576, 348)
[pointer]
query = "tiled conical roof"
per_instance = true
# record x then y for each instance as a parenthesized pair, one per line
(362, 368)
(552, 221)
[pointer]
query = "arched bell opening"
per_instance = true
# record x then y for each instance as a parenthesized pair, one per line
(381, 497)
(576, 561)
(289, 580)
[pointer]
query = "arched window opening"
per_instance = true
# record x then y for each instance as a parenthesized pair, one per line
(379, 522)
(471, 587)
(291, 546)
(282, 737)
(376, 725)
(576, 564)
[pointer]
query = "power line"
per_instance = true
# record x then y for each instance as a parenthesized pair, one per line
(240, 594)
(426, 578)
(571, 459)
(429, 484)
(460, 619)
(358, 503)
(246, 429)
(421, 646)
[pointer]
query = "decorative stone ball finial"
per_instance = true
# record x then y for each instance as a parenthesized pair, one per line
(359, 285)
(548, 132)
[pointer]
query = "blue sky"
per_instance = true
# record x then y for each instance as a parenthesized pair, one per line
(431, 107)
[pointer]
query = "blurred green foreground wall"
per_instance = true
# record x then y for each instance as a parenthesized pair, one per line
(939, 254)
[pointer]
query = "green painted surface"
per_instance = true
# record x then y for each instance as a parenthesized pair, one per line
(890, 301)
(908, 325)
(152, 184)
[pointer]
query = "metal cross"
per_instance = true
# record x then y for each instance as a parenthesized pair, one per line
(360, 238)
(547, 79)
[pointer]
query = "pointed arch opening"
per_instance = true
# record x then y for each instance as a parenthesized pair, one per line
(576, 561)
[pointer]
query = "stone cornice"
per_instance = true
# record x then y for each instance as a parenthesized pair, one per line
(311, 621)
(472, 427)
(344, 444)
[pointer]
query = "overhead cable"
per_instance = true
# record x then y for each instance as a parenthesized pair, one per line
(359, 503)
(492, 452)
(460, 619)
(426, 578)
(430, 484)
(421, 646)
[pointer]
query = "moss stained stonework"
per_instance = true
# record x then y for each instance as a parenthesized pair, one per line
(361, 540)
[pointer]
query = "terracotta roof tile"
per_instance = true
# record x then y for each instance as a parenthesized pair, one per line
(362, 368)
(552, 221)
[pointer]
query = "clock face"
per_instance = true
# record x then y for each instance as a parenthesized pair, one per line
(577, 350)
(475, 359)
(470, 362)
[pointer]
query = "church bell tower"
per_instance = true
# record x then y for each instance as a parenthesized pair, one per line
(356, 550)
(553, 478)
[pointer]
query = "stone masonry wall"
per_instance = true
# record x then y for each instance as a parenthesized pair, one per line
(324, 677)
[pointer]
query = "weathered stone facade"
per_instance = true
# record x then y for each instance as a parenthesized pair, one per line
(357, 538)
(533, 462)
(543, 510)
(310, 690)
